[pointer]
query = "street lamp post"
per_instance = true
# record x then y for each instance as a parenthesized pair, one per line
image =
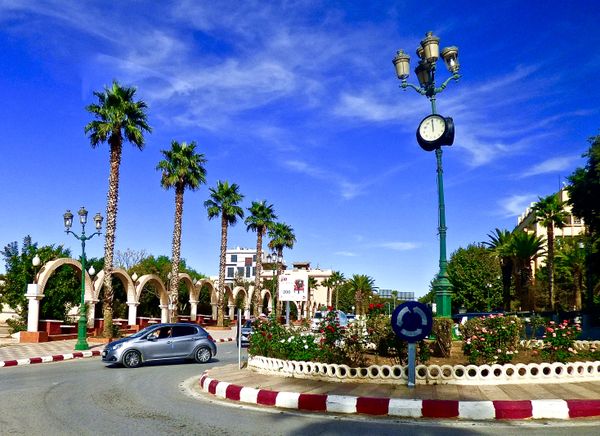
(68, 220)
(428, 52)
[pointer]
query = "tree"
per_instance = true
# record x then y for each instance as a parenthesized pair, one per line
(224, 203)
(361, 285)
(476, 279)
(117, 118)
(62, 291)
(261, 218)
(337, 279)
(182, 168)
(128, 258)
(584, 196)
(570, 264)
(525, 247)
(282, 236)
(550, 212)
(500, 244)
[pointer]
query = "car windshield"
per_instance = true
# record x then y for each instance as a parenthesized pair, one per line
(247, 324)
(143, 331)
(318, 315)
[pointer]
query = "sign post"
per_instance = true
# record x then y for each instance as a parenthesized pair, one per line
(412, 322)
(239, 337)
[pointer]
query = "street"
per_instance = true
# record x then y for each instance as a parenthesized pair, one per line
(82, 397)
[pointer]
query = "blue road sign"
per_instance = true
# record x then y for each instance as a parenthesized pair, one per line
(412, 321)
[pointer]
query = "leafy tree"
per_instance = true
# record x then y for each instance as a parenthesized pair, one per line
(476, 279)
(62, 291)
(500, 243)
(525, 248)
(570, 265)
(261, 218)
(224, 203)
(336, 280)
(182, 168)
(282, 236)
(550, 212)
(362, 286)
(117, 117)
(584, 196)
(161, 266)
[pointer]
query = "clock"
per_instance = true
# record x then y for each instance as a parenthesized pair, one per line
(435, 131)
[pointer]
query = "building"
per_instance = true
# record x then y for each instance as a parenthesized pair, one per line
(240, 263)
(527, 222)
(391, 294)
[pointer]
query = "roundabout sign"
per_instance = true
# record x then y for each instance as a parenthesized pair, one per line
(412, 321)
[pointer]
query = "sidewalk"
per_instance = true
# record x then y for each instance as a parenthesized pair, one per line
(524, 401)
(13, 353)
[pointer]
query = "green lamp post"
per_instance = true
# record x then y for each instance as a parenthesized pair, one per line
(68, 218)
(433, 132)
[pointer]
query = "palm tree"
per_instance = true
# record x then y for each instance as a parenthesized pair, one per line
(261, 218)
(337, 278)
(282, 236)
(361, 285)
(549, 211)
(571, 256)
(525, 247)
(312, 284)
(500, 244)
(182, 168)
(117, 117)
(223, 202)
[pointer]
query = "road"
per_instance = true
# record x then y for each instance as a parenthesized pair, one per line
(85, 397)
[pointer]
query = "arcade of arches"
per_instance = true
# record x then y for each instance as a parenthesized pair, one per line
(133, 290)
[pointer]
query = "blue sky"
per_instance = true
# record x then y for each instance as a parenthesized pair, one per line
(298, 103)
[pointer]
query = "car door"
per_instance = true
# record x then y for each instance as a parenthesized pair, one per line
(160, 347)
(184, 340)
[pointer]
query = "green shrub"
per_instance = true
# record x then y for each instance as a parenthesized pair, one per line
(492, 339)
(442, 330)
(558, 341)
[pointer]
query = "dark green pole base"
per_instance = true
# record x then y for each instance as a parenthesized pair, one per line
(82, 335)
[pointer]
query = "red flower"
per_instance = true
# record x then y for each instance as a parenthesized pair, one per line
(371, 306)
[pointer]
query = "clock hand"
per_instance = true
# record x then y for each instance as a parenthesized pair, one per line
(432, 126)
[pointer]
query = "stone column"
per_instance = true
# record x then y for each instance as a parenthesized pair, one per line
(231, 311)
(247, 312)
(214, 311)
(132, 313)
(91, 313)
(33, 307)
(193, 310)
(164, 313)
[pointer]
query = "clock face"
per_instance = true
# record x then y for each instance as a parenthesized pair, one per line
(432, 128)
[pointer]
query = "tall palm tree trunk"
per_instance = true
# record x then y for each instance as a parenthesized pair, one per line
(257, 284)
(109, 240)
(221, 296)
(176, 251)
(279, 306)
(550, 265)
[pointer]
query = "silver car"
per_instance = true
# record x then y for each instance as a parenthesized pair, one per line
(161, 342)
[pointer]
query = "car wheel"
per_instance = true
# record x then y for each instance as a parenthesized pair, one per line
(202, 355)
(132, 359)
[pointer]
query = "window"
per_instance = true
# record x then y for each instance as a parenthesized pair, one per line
(254, 258)
(234, 257)
(184, 330)
(240, 271)
(248, 270)
(248, 261)
(254, 271)
(230, 271)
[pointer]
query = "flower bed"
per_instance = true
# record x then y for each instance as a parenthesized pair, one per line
(520, 373)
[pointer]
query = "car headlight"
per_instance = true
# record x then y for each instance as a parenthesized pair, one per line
(117, 346)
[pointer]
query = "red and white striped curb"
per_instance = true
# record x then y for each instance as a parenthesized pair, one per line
(224, 340)
(397, 407)
(48, 359)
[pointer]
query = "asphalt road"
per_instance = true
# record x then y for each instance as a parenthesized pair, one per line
(85, 397)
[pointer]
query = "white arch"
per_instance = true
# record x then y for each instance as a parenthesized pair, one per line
(51, 266)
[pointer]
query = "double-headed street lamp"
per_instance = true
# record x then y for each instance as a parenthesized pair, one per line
(276, 259)
(68, 217)
(433, 132)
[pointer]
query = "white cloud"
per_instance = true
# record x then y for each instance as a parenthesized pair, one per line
(345, 253)
(399, 246)
(552, 165)
(515, 205)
